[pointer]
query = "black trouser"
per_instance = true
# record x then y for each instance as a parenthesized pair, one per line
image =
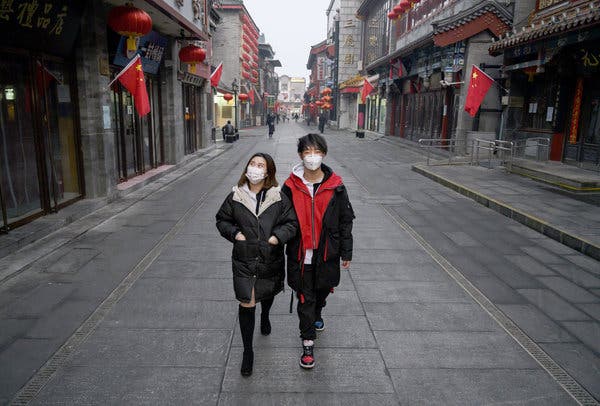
(314, 301)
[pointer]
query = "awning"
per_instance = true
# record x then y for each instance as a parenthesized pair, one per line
(352, 89)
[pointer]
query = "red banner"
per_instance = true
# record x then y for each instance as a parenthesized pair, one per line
(576, 112)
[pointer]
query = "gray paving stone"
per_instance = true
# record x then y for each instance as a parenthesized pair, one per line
(529, 265)
(592, 309)
(536, 324)
(468, 266)
(408, 291)
(63, 321)
(195, 314)
(429, 317)
(13, 329)
(416, 349)
(374, 240)
(88, 385)
(308, 399)
(577, 275)
(191, 253)
(478, 387)
(20, 360)
(376, 256)
(568, 290)
(586, 263)
(462, 239)
(340, 332)
(587, 331)
(168, 289)
(189, 269)
(496, 290)
(426, 272)
(277, 370)
(513, 276)
(40, 300)
(582, 364)
(117, 347)
(543, 255)
(552, 305)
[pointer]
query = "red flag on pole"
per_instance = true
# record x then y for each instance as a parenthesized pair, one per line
(367, 88)
(478, 87)
(215, 77)
(251, 96)
(132, 78)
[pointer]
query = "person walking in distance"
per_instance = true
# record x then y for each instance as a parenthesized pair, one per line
(324, 239)
(258, 219)
(322, 122)
(271, 124)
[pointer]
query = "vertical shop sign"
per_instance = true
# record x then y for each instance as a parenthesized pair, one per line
(576, 112)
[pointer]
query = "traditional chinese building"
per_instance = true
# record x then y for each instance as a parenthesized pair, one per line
(552, 63)
(344, 32)
(433, 45)
(65, 134)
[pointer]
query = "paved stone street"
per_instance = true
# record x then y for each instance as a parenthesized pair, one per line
(444, 304)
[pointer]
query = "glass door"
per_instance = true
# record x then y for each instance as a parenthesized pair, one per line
(19, 174)
(58, 132)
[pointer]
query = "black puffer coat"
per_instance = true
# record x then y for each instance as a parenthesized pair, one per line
(335, 241)
(256, 263)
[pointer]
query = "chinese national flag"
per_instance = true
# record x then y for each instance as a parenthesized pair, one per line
(215, 77)
(367, 88)
(251, 96)
(132, 78)
(478, 87)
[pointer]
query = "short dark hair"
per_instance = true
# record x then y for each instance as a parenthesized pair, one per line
(270, 180)
(312, 140)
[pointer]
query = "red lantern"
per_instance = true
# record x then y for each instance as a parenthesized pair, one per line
(192, 54)
(392, 15)
(130, 22)
(326, 99)
(326, 91)
(228, 96)
(398, 10)
(405, 5)
(243, 97)
(319, 103)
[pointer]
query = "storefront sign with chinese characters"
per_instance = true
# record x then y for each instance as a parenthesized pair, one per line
(51, 26)
(151, 48)
(542, 4)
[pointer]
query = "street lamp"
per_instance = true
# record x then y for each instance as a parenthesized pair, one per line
(235, 88)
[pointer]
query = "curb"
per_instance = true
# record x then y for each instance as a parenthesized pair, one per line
(570, 240)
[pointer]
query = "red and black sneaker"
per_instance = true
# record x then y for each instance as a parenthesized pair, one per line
(307, 360)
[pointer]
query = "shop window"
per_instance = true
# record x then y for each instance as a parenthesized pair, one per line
(540, 98)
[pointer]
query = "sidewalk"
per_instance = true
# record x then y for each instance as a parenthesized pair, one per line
(541, 206)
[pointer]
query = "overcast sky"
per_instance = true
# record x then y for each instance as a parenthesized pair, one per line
(291, 27)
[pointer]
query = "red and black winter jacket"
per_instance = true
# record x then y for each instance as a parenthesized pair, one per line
(325, 226)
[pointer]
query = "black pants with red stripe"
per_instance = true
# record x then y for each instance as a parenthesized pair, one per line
(314, 301)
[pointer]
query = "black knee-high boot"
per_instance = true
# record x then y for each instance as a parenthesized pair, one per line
(246, 315)
(265, 323)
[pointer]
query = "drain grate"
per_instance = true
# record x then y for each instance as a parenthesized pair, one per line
(569, 384)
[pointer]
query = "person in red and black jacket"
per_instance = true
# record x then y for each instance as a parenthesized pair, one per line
(324, 240)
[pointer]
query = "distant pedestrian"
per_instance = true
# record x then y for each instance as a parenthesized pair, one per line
(325, 218)
(322, 121)
(271, 124)
(258, 219)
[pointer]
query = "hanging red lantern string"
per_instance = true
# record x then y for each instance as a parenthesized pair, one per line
(246, 75)
(404, 5)
(398, 10)
(131, 22)
(326, 91)
(392, 15)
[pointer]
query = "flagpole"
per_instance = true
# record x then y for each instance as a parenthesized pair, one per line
(134, 60)
(491, 78)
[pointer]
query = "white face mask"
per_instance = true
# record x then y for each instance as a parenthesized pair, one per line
(312, 161)
(255, 174)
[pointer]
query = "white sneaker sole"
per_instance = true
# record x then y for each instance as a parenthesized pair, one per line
(307, 366)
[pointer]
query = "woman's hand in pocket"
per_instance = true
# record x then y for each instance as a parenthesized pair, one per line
(273, 240)
(240, 237)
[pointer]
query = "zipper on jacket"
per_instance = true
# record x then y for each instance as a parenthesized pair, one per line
(312, 222)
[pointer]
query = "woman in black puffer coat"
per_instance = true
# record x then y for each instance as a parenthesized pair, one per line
(259, 220)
